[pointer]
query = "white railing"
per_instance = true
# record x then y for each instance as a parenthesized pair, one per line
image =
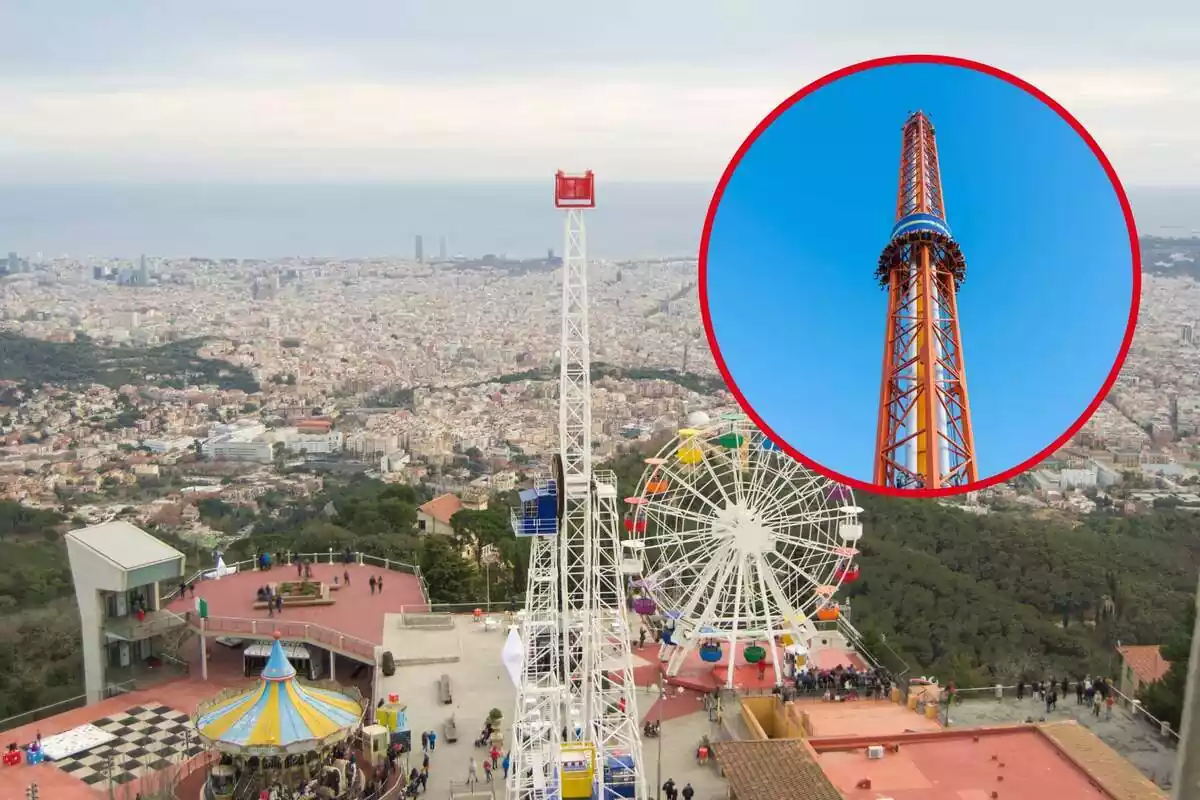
(319, 635)
(1128, 705)
(329, 557)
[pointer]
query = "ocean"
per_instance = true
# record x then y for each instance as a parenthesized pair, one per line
(517, 220)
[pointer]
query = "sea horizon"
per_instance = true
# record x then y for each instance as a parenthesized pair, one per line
(381, 219)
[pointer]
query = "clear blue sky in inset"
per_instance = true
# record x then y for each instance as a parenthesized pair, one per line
(795, 306)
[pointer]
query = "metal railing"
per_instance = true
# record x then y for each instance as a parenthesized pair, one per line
(330, 557)
(1130, 706)
(308, 632)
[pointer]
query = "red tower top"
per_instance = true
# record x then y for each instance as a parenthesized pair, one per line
(574, 191)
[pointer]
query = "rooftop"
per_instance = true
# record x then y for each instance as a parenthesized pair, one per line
(1017, 761)
(356, 611)
(1145, 660)
(779, 769)
(124, 544)
(443, 507)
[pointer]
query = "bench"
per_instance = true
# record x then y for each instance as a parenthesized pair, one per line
(450, 731)
(444, 694)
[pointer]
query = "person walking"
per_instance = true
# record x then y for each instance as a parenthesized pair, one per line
(432, 741)
(472, 772)
(669, 789)
(346, 578)
(424, 741)
(278, 604)
(379, 584)
(688, 791)
(372, 582)
(506, 763)
(1078, 693)
(1108, 705)
(1096, 701)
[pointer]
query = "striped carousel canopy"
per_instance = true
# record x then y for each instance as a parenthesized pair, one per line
(279, 715)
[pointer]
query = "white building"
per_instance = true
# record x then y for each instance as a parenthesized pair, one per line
(117, 569)
(240, 441)
(394, 462)
(1084, 478)
(312, 443)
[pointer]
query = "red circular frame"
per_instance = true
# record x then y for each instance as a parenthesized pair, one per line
(1135, 251)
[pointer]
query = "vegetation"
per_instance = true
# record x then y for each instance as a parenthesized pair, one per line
(37, 362)
(704, 384)
(973, 599)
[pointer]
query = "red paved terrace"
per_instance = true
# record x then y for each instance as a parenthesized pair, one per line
(355, 613)
(1015, 762)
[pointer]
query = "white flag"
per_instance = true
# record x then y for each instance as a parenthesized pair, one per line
(513, 655)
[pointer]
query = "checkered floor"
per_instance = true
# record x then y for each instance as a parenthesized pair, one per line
(148, 739)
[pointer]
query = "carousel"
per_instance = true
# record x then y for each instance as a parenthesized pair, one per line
(282, 737)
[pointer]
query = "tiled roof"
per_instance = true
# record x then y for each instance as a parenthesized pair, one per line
(1105, 766)
(779, 769)
(1145, 660)
(443, 507)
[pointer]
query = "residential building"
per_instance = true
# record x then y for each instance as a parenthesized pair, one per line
(1140, 664)
(434, 516)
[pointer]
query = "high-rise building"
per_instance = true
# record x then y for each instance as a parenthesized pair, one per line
(142, 277)
(14, 263)
(420, 250)
(442, 248)
(1186, 332)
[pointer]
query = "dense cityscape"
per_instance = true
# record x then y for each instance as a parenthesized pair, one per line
(307, 405)
(411, 365)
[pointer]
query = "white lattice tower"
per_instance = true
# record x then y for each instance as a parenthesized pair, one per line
(575, 448)
(537, 722)
(617, 731)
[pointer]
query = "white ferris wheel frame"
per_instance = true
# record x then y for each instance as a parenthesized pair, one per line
(744, 545)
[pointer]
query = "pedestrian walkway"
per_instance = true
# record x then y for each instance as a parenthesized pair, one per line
(1136, 740)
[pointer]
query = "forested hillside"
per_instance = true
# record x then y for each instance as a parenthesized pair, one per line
(969, 598)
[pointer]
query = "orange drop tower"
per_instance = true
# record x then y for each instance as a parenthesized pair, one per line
(924, 438)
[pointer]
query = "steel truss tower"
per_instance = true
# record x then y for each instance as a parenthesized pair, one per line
(924, 438)
(576, 700)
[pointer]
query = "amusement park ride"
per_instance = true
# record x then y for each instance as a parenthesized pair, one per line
(729, 542)
(924, 438)
(576, 729)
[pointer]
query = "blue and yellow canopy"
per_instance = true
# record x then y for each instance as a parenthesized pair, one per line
(279, 715)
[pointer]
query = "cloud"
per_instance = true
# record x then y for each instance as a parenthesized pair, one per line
(394, 91)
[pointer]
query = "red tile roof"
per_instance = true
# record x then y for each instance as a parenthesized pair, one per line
(1145, 660)
(443, 507)
(774, 769)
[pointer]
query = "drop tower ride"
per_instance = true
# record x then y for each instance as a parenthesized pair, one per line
(924, 438)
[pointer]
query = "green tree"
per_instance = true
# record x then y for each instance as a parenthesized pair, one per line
(450, 578)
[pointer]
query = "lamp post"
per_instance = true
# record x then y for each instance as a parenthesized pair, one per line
(662, 696)
(490, 555)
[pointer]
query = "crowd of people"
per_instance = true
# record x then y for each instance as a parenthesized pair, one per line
(837, 684)
(1098, 694)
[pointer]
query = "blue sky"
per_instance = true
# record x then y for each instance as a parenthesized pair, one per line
(800, 318)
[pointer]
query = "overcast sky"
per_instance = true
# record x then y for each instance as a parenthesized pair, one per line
(271, 90)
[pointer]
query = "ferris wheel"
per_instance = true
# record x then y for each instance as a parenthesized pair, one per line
(731, 541)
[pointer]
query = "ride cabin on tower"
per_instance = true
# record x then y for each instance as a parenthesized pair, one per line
(576, 732)
(924, 438)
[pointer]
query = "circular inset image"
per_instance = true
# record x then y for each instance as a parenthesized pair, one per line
(919, 276)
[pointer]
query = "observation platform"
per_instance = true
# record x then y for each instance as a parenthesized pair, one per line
(352, 625)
